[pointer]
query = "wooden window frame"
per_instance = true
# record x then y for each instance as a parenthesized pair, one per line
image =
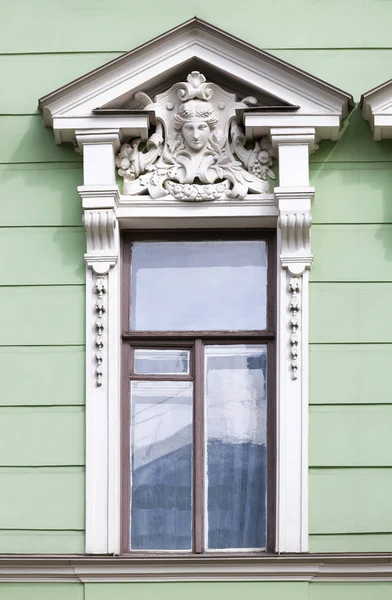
(196, 341)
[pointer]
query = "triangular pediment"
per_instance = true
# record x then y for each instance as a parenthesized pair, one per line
(377, 109)
(229, 62)
(163, 81)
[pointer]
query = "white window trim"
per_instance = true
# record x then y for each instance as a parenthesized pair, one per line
(104, 216)
(106, 212)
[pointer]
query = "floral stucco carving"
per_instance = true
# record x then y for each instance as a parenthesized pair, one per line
(198, 151)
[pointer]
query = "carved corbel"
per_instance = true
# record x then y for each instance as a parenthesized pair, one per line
(101, 239)
(295, 255)
(102, 252)
(101, 226)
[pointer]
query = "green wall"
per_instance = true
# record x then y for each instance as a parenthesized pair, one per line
(45, 44)
(210, 591)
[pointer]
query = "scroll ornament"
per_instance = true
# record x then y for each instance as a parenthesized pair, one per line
(197, 152)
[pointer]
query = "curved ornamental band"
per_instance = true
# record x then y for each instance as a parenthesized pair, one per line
(198, 151)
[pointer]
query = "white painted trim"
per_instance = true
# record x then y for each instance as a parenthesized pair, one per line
(318, 114)
(327, 126)
(314, 568)
(319, 104)
(377, 109)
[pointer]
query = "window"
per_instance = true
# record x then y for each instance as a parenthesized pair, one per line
(198, 392)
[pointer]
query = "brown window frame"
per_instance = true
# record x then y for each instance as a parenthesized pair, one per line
(195, 342)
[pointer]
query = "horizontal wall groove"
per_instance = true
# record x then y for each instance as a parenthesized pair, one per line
(376, 164)
(43, 346)
(330, 161)
(352, 534)
(350, 282)
(77, 227)
(43, 285)
(19, 114)
(3, 529)
(353, 224)
(42, 162)
(352, 405)
(267, 48)
(348, 467)
(46, 466)
(80, 467)
(372, 343)
(46, 406)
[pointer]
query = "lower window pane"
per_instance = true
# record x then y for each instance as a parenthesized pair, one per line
(236, 410)
(161, 465)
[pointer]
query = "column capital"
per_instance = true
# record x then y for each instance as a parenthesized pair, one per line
(294, 193)
(288, 136)
(98, 136)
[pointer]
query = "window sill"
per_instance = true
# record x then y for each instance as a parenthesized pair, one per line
(265, 567)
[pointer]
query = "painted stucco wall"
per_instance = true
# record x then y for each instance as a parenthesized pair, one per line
(45, 44)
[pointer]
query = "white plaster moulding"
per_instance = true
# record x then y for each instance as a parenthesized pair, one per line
(137, 212)
(377, 109)
(309, 568)
(194, 39)
(319, 109)
(127, 126)
(326, 126)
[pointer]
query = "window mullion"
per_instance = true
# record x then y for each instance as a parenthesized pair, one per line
(198, 451)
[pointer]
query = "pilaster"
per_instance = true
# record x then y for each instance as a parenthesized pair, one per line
(293, 199)
(100, 197)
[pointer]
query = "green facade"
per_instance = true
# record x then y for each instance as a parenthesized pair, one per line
(45, 44)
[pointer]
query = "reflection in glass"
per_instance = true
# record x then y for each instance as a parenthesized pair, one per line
(161, 362)
(161, 465)
(188, 286)
(235, 386)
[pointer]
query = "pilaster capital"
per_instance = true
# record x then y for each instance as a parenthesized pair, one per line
(97, 137)
(288, 136)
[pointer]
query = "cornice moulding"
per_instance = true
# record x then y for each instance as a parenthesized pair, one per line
(308, 568)
(326, 126)
(193, 28)
(73, 106)
(377, 109)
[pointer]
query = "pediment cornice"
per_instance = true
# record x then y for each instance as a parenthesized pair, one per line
(167, 57)
(377, 109)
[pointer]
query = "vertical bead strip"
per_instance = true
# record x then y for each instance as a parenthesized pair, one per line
(294, 306)
(100, 309)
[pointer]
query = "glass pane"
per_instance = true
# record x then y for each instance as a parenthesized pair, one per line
(161, 465)
(188, 286)
(236, 445)
(161, 362)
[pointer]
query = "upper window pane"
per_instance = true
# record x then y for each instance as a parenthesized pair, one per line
(198, 286)
(161, 362)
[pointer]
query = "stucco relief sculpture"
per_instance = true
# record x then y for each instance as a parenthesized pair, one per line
(197, 151)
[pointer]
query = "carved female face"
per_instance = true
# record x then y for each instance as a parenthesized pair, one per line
(196, 134)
